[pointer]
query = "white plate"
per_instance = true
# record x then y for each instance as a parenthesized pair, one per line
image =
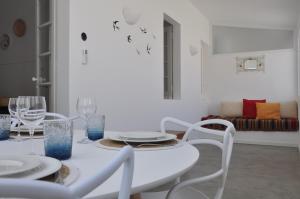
(47, 167)
(141, 135)
(167, 137)
(15, 164)
(179, 144)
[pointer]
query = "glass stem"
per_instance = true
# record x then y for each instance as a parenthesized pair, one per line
(31, 132)
(19, 131)
(86, 127)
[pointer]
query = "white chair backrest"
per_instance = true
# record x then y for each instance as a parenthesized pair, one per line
(225, 145)
(166, 120)
(46, 190)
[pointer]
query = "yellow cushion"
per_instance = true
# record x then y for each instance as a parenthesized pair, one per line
(268, 111)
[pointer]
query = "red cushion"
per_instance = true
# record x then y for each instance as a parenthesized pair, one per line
(249, 108)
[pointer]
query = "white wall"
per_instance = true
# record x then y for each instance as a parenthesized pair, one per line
(233, 39)
(297, 48)
(128, 87)
(62, 56)
(277, 83)
(17, 63)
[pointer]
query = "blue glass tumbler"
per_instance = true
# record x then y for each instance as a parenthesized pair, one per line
(4, 126)
(58, 138)
(95, 126)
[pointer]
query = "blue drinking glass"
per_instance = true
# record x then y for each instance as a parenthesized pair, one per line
(4, 127)
(58, 138)
(95, 126)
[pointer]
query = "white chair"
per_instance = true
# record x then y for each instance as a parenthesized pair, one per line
(183, 189)
(37, 189)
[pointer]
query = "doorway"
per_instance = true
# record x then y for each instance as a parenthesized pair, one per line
(26, 49)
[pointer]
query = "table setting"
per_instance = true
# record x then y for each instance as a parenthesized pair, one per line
(37, 145)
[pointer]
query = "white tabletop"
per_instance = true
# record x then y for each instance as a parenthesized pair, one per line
(152, 168)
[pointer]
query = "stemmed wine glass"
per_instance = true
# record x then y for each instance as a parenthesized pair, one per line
(85, 107)
(31, 111)
(12, 108)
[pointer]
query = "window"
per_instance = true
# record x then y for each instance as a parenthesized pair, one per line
(171, 58)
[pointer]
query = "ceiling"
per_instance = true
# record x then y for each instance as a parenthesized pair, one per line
(275, 14)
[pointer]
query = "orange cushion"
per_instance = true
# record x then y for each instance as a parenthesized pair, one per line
(268, 111)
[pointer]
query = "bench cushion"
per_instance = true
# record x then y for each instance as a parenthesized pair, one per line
(242, 124)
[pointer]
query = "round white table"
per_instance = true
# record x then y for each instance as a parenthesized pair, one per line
(151, 169)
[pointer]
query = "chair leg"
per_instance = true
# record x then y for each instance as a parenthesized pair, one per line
(136, 196)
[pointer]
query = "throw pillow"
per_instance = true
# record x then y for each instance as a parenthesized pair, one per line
(249, 108)
(267, 111)
(289, 109)
(231, 109)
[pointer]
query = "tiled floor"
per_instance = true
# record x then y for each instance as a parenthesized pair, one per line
(256, 172)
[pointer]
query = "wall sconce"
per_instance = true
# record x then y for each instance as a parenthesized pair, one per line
(131, 16)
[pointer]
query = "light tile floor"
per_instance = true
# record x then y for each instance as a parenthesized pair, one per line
(256, 172)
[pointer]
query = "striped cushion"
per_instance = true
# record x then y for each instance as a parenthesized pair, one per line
(242, 124)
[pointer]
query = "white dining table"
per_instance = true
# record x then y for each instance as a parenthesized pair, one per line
(151, 169)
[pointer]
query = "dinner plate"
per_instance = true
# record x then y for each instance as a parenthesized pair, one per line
(142, 135)
(15, 164)
(47, 167)
(119, 138)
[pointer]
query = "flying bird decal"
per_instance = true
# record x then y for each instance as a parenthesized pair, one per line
(115, 25)
(148, 49)
(143, 30)
(129, 38)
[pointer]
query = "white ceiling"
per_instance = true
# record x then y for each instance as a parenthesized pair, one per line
(278, 14)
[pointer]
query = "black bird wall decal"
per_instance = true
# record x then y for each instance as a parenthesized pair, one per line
(148, 49)
(143, 30)
(115, 25)
(129, 38)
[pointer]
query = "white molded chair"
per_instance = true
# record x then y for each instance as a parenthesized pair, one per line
(38, 189)
(183, 189)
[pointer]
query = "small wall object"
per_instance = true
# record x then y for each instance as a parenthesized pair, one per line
(193, 50)
(245, 64)
(19, 27)
(131, 16)
(4, 41)
(83, 36)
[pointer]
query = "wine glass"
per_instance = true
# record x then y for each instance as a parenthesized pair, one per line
(31, 111)
(85, 107)
(12, 108)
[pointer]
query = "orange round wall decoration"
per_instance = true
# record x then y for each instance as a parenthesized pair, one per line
(19, 27)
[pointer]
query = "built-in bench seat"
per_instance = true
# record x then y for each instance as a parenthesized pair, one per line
(279, 132)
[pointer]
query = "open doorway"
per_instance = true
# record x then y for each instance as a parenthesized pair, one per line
(26, 50)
